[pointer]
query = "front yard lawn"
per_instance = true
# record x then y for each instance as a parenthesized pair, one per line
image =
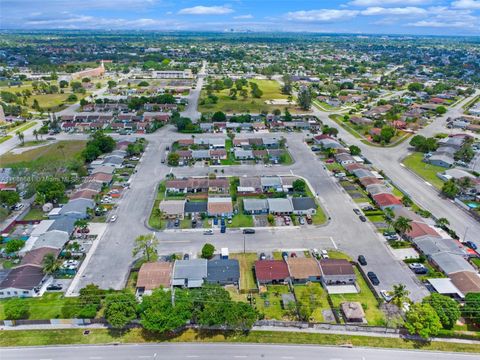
(426, 171)
(34, 214)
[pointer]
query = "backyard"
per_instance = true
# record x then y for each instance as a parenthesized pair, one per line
(312, 301)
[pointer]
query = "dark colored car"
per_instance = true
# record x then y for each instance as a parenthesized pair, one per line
(54, 287)
(284, 255)
(471, 245)
(176, 223)
(357, 211)
(362, 260)
(223, 229)
(186, 257)
(373, 278)
(249, 231)
(263, 256)
(362, 218)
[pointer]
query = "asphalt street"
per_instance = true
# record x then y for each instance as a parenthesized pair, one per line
(423, 193)
(192, 105)
(221, 352)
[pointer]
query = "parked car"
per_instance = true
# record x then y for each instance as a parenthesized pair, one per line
(309, 219)
(293, 255)
(186, 257)
(301, 220)
(194, 223)
(362, 218)
(368, 208)
(471, 245)
(418, 268)
(208, 232)
(249, 231)
(357, 211)
(315, 252)
(176, 223)
(324, 254)
(113, 218)
(223, 229)
(373, 278)
(386, 295)
(53, 287)
(262, 256)
(389, 233)
(19, 206)
(362, 260)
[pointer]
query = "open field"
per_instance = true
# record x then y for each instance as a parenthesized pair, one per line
(246, 261)
(45, 155)
(105, 336)
(271, 90)
(426, 171)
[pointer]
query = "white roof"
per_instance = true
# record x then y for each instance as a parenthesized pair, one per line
(41, 228)
(445, 286)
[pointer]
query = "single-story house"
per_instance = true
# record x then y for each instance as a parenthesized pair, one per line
(446, 287)
(375, 189)
(255, 206)
(219, 206)
(451, 263)
(363, 173)
(442, 160)
(172, 209)
(271, 271)
(456, 174)
(241, 154)
(432, 245)
(304, 206)
(384, 201)
(153, 275)
(195, 207)
(22, 281)
(77, 208)
(65, 224)
(337, 272)
(271, 183)
(55, 239)
(304, 269)
(420, 229)
(35, 256)
(223, 272)
(466, 281)
(189, 273)
(279, 206)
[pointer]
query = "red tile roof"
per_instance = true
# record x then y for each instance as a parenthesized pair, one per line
(268, 270)
(420, 229)
(386, 200)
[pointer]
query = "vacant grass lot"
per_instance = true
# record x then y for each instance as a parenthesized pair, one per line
(49, 306)
(246, 261)
(312, 296)
(271, 90)
(365, 297)
(44, 156)
(105, 336)
(426, 171)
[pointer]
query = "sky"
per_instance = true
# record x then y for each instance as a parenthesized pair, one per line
(422, 17)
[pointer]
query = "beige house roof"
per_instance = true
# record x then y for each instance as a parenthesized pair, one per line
(172, 207)
(219, 206)
(466, 281)
(303, 268)
(353, 311)
(155, 274)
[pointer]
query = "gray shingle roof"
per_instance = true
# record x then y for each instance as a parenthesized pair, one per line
(303, 203)
(223, 271)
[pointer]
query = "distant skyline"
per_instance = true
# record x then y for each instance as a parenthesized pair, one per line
(415, 17)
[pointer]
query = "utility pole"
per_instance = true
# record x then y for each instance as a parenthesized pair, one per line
(243, 243)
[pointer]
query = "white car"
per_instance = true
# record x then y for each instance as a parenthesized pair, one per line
(324, 254)
(386, 295)
(113, 218)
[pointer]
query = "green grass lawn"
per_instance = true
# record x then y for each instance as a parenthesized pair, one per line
(34, 214)
(370, 304)
(44, 156)
(270, 302)
(49, 306)
(426, 171)
(5, 138)
(50, 101)
(22, 127)
(246, 261)
(137, 335)
(241, 221)
(271, 90)
(313, 297)
(155, 221)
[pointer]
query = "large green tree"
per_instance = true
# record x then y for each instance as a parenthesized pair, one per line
(16, 309)
(120, 309)
(422, 319)
(471, 309)
(147, 246)
(447, 309)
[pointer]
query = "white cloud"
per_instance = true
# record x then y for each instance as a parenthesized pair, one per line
(367, 3)
(466, 4)
(206, 10)
(242, 17)
(444, 17)
(409, 11)
(323, 15)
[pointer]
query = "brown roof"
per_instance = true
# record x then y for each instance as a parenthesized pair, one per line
(84, 194)
(421, 229)
(268, 270)
(23, 277)
(219, 152)
(466, 281)
(369, 181)
(336, 267)
(303, 268)
(35, 256)
(101, 177)
(224, 207)
(155, 274)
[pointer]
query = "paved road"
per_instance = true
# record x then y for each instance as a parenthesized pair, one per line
(221, 352)
(345, 231)
(389, 159)
(191, 109)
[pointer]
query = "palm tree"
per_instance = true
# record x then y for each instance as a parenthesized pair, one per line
(81, 224)
(21, 137)
(147, 245)
(49, 264)
(389, 217)
(402, 224)
(399, 294)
